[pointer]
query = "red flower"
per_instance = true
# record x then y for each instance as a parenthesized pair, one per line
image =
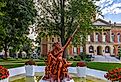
(81, 64)
(4, 73)
(113, 75)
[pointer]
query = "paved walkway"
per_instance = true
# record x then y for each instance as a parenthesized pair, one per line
(106, 58)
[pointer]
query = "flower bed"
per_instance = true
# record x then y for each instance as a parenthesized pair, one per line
(4, 74)
(113, 75)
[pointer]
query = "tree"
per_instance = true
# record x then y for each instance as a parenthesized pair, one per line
(19, 14)
(2, 4)
(27, 46)
(62, 17)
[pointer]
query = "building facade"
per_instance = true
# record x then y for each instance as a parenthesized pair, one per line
(46, 44)
(105, 40)
(116, 37)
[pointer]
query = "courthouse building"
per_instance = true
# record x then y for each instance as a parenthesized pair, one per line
(105, 41)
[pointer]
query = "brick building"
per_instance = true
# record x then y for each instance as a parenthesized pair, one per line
(105, 41)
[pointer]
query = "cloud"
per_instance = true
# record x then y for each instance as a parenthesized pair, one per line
(109, 6)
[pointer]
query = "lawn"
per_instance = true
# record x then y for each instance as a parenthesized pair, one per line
(103, 66)
(13, 63)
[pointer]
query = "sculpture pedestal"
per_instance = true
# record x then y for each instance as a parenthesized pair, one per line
(65, 80)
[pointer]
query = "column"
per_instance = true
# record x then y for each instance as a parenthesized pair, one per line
(116, 38)
(110, 36)
(111, 50)
(94, 36)
(102, 35)
(78, 50)
(87, 48)
(95, 49)
(103, 50)
(116, 50)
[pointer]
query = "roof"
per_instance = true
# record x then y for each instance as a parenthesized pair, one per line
(101, 22)
(117, 24)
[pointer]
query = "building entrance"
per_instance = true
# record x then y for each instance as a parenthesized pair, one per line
(99, 50)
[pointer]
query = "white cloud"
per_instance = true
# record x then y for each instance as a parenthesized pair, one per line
(109, 7)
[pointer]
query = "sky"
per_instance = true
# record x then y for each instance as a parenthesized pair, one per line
(111, 10)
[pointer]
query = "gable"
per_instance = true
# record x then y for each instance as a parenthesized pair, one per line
(100, 22)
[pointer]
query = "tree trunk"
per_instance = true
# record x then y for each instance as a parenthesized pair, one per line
(62, 26)
(63, 43)
(65, 53)
(5, 49)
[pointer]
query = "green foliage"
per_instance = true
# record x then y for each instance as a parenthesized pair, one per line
(74, 64)
(2, 4)
(77, 58)
(119, 52)
(41, 64)
(13, 66)
(27, 45)
(65, 16)
(19, 14)
(60, 17)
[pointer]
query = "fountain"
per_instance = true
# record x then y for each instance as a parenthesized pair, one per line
(56, 66)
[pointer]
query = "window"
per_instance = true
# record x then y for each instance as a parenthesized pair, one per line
(96, 38)
(107, 49)
(52, 39)
(112, 37)
(89, 38)
(91, 49)
(118, 37)
(81, 49)
(58, 39)
(104, 37)
(75, 50)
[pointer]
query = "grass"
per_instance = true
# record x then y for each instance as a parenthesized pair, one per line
(13, 63)
(103, 66)
(13, 66)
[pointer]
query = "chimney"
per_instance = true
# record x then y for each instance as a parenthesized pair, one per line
(114, 23)
(110, 21)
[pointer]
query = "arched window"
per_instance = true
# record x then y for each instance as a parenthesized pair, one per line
(107, 49)
(112, 37)
(91, 49)
(118, 37)
(96, 37)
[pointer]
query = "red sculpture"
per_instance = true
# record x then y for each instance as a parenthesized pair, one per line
(56, 66)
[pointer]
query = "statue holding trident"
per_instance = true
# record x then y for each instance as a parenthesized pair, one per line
(56, 66)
